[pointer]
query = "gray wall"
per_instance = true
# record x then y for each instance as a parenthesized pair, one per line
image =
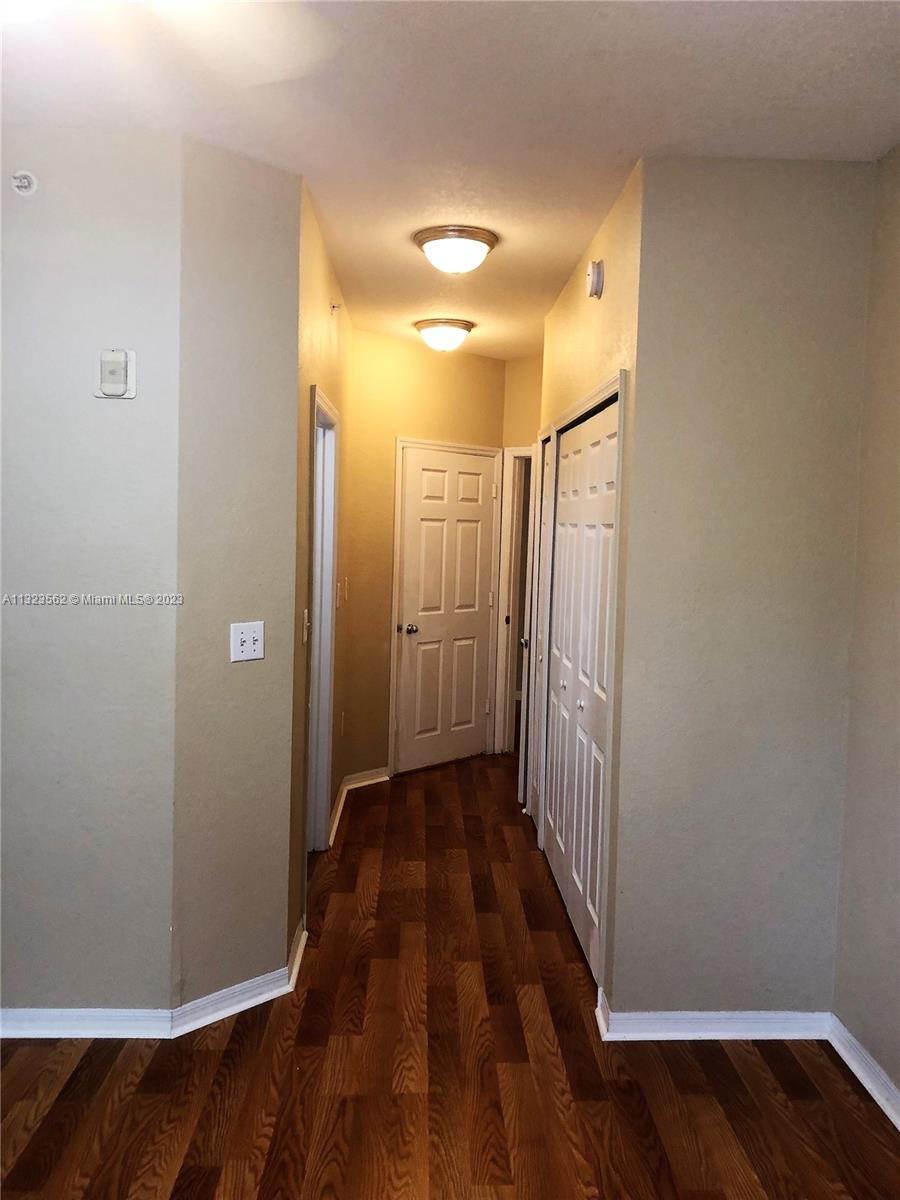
(868, 982)
(146, 780)
(742, 509)
(236, 554)
(89, 505)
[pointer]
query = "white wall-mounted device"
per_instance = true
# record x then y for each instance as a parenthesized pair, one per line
(594, 281)
(248, 640)
(116, 375)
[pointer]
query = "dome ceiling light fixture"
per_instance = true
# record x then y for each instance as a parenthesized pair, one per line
(455, 249)
(444, 333)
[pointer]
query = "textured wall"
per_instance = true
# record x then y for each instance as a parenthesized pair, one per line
(398, 388)
(586, 342)
(89, 506)
(146, 779)
(324, 347)
(522, 400)
(742, 501)
(237, 488)
(868, 983)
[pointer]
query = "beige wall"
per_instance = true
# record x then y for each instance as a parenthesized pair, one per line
(324, 348)
(522, 400)
(868, 981)
(89, 505)
(586, 342)
(742, 500)
(237, 488)
(398, 388)
(146, 779)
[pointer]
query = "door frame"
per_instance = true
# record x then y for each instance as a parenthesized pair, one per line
(323, 588)
(402, 443)
(537, 701)
(511, 492)
(616, 387)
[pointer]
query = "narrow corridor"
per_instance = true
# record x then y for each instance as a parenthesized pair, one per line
(441, 1043)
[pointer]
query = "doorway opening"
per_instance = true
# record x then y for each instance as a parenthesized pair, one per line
(321, 657)
(511, 732)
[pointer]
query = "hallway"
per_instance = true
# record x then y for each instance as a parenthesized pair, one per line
(440, 1043)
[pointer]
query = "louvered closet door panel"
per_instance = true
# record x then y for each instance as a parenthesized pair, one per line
(580, 667)
(446, 569)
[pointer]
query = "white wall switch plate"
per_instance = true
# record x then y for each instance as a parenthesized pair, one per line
(248, 640)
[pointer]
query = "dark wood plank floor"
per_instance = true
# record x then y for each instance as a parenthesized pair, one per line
(440, 1045)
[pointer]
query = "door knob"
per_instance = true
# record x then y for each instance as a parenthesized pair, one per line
(580, 704)
(563, 684)
(412, 628)
(524, 643)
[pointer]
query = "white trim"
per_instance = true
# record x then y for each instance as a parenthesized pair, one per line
(511, 493)
(602, 1014)
(396, 617)
(724, 1026)
(526, 727)
(757, 1026)
(543, 548)
(874, 1079)
(86, 1022)
(360, 779)
(229, 1001)
(298, 945)
(155, 1022)
(325, 588)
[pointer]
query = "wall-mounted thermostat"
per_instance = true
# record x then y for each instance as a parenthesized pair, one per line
(116, 375)
(594, 281)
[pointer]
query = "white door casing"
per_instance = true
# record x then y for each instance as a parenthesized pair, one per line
(526, 757)
(543, 544)
(446, 568)
(580, 666)
(515, 567)
(321, 655)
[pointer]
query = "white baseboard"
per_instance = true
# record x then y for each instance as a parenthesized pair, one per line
(696, 1026)
(876, 1081)
(360, 779)
(602, 1015)
(742, 1026)
(154, 1022)
(298, 945)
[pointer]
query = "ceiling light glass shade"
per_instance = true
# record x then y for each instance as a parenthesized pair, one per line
(444, 333)
(455, 249)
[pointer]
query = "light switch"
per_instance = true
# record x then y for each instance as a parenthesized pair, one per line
(248, 640)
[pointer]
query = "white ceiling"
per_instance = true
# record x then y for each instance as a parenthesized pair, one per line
(525, 117)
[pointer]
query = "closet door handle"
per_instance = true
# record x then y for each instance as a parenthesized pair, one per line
(580, 704)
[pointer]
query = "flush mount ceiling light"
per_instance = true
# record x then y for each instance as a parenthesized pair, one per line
(444, 333)
(455, 248)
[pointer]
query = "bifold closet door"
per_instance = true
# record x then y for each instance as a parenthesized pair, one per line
(580, 667)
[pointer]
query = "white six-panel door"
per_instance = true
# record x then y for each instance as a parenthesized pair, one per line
(580, 668)
(447, 560)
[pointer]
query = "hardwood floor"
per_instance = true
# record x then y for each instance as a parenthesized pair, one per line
(440, 1045)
